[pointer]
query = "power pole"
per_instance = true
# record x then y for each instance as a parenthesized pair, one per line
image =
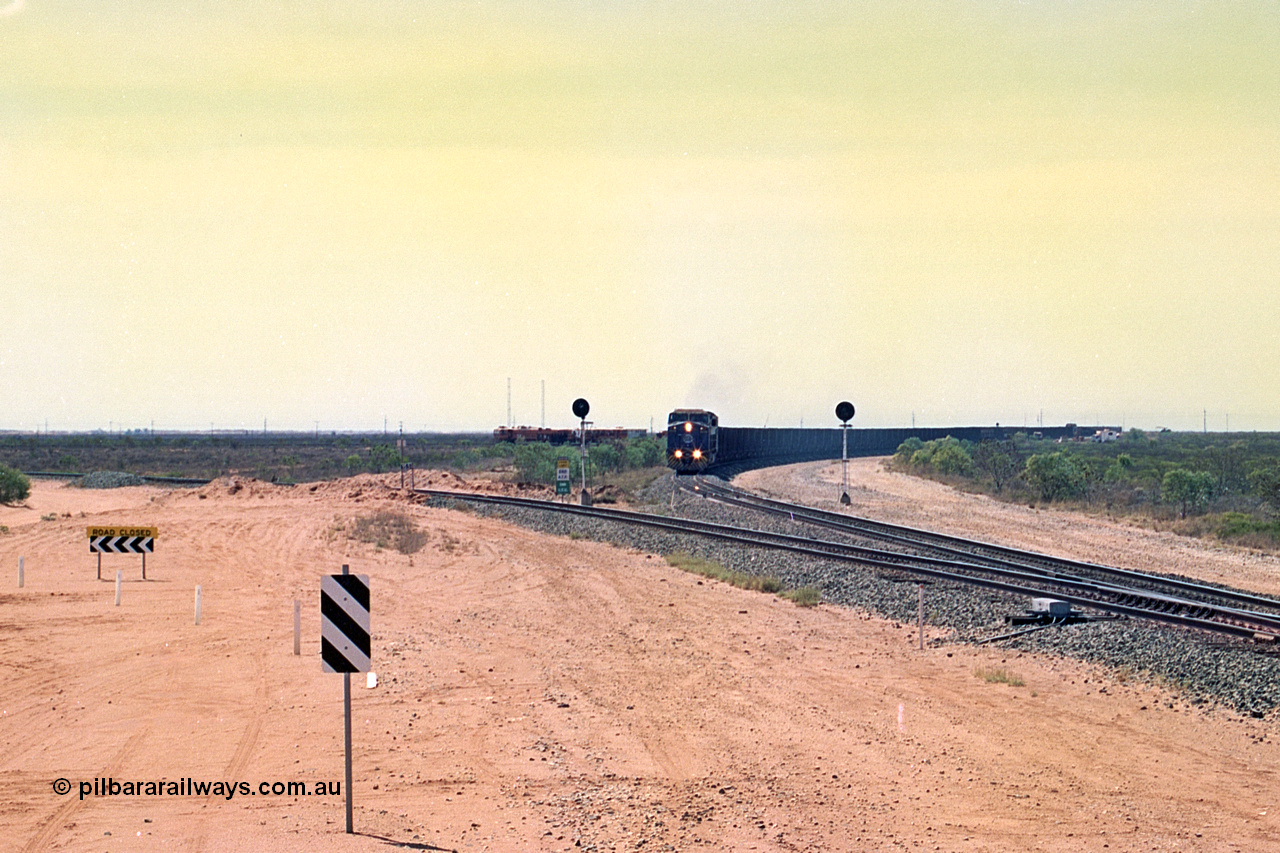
(510, 423)
(544, 404)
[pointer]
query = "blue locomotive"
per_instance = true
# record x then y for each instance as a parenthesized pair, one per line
(693, 437)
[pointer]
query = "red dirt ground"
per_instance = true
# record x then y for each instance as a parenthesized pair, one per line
(542, 693)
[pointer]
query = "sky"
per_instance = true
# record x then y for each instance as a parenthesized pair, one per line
(335, 215)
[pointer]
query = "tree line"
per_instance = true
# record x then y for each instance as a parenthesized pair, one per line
(1233, 482)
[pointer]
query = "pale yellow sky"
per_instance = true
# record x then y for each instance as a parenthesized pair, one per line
(342, 212)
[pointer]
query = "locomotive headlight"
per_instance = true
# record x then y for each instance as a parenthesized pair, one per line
(697, 454)
(679, 454)
(688, 427)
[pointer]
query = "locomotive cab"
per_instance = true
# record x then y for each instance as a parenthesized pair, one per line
(692, 440)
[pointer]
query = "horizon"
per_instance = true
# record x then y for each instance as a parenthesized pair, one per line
(395, 433)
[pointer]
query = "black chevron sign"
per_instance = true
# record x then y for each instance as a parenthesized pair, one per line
(122, 545)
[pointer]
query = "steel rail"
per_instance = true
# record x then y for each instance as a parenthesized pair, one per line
(971, 548)
(1092, 594)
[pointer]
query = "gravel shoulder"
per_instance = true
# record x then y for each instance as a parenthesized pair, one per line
(547, 692)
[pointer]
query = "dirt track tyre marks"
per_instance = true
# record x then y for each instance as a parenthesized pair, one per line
(244, 749)
(41, 840)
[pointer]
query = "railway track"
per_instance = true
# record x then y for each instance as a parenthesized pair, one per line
(946, 546)
(1004, 574)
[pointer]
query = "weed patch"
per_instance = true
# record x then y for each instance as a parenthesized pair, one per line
(1000, 675)
(448, 542)
(805, 596)
(389, 529)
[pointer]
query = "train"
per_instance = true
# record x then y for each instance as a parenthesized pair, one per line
(564, 436)
(693, 440)
(696, 443)
(528, 433)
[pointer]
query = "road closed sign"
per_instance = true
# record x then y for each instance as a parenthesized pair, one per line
(122, 540)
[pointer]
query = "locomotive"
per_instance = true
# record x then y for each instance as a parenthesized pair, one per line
(693, 437)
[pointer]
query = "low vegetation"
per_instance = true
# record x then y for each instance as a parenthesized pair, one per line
(1000, 675)
(1221, 486)
(306, 457)
(805, 596)
(614, 469)
(388, 529)
(14, 486)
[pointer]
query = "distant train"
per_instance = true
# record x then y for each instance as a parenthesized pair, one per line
(528, 433)
(693, 437)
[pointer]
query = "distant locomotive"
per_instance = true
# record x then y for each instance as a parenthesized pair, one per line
(693, 437)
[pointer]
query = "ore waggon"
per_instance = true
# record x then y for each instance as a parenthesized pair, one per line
(693, 437)
(528, 433)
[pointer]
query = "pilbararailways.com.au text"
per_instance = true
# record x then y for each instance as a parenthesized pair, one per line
(188, 787)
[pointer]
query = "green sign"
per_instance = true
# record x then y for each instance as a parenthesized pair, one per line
(562, 476)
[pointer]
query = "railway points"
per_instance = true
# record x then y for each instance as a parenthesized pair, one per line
(1019, 573)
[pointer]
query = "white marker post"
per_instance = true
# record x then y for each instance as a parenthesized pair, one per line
(297, 627)
(346, 737)
(197, 604)
(22, 572)
(119, 581)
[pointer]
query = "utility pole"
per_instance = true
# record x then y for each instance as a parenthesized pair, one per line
(544, 404)
(510, 423)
